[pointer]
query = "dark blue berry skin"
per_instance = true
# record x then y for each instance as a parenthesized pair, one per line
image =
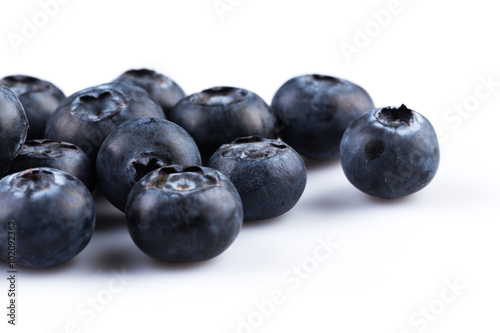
(315, 110)
(137, 147)
(162, 89)
(220, 115)
(390, 152)
(57, 155)
(39, 99)
(269, 175)
(87, 117)
(13, 128)
(54, 216)
(184, 213)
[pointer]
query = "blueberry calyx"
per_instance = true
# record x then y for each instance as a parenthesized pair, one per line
(144, 72)
(394, 117)
(252, 148)
(318, 78)
(144, 165)
(33, 180)
(20, 84)
(98, 105)
(44, 148)
(219, 96)
(183, 179)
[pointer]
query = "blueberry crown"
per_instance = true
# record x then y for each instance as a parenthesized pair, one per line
(395, 116)
(183, 179)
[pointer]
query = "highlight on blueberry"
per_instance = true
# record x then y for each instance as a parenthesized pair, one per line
(184, 213)
(390, 152)
(53, 213)
(314, 111)
(269, 175)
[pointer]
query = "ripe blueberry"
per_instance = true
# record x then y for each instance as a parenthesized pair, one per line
(87, 117)
(315, 110)
(269, 175)
(162, 89)
(220, 115)
(390, 152)
(138, 147)
(57, 155)
(184, 213)
(13, 127)
(54, 216)
(39, 99)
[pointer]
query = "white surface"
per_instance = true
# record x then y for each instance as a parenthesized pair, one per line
(393, 258)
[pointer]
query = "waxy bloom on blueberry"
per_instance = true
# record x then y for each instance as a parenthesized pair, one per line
(269, 175)
(54, 216)
(184, 213)
(220, 115)
(315, 110)
(390, 152)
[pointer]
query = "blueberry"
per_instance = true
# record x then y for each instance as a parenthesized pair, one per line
(57, 155)
(184, 213)
(269, 175)
(87, 117)
(54, 216)
(220, 115)
(315, 110)
(39, 99)
(390, 152)
(13, 128)
(138, 147)
(162, 89)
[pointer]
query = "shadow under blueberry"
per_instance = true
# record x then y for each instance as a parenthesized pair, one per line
(395, 201)
(262, 223)
(342, 199)
(107, 222)
(108, 217)
(180, 266)
(116, 258)
(312, 165)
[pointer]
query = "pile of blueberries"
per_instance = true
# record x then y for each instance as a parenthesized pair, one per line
(187, 171)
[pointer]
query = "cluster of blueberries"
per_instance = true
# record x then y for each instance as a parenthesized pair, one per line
(187, 184)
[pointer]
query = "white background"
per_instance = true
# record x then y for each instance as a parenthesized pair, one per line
(394, 259)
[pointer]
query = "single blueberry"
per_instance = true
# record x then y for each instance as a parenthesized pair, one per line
(57, 155)
(49, 213)
(269, 175)
(39, 98)
(220, 115)
(137, 147)
(13, 127)
(184, 213)
(162, 89)
(314, 111)
(390, 152)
